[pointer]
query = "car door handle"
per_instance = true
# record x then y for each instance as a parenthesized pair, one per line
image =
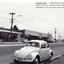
(46, 50)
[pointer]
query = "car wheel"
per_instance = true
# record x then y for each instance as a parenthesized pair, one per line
(51, 54)
(16, 61)
(36, 61)
(50, 58)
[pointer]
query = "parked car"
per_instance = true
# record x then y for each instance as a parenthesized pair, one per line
(35, 51)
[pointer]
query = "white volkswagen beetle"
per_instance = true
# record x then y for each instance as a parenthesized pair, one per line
(34, 51)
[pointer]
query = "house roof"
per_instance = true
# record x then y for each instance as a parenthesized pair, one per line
(9, 30)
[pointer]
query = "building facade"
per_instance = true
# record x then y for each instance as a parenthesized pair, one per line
(33, 35)
(5, 34)
(21, 35)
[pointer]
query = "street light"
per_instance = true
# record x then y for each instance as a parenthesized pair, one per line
(15, 19)
(17, 16)
(55, 33)
(12, 22)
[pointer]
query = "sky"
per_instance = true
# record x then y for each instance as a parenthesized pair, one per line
(43, 20)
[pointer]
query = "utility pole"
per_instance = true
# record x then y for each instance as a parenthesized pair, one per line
(11, 25)
(55, 34)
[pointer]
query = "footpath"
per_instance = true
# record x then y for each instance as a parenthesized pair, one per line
(11, 44)
(59, 60)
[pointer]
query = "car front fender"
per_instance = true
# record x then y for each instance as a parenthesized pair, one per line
(51, 53)
(16, 51)
(34, 55)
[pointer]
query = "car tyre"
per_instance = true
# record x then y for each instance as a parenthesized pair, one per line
(50, 58)
(16, 61)
(36, 61)
(51, 54)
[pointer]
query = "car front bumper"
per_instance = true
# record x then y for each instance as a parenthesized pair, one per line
(21, 60)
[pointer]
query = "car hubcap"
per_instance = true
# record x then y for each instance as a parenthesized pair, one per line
(36, 61)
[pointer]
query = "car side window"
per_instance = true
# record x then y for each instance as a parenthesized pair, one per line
(43, 45)
(47, 45)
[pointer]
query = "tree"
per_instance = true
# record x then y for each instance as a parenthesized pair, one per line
(15, 28)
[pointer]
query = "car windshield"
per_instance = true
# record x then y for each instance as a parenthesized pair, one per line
(33, 44)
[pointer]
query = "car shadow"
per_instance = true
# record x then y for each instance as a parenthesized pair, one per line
(46, 62)
(19, 63)
(43, 62)
(12, 63)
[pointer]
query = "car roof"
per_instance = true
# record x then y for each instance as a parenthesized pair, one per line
(39, 41)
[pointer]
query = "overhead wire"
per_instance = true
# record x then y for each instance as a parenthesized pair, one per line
(37, 27)
(4, 11)
(4, 18)
(48, 31)
(31, 25)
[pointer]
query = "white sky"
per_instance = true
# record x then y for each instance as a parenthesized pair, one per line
(36, 19)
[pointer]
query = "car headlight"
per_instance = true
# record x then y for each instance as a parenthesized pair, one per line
(29, 57)
(15, 53)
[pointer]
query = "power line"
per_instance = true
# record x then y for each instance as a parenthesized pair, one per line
(4, 22)
(33, 22)
(4, 18)
(28, 24)
(32, 26)
(4, 11)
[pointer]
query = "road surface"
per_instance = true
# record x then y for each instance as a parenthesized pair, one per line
(7, 51)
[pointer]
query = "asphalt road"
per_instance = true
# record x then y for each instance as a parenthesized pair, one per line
(7, 51)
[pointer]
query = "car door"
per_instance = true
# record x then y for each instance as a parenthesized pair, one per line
(48, 50)
(43, 51)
